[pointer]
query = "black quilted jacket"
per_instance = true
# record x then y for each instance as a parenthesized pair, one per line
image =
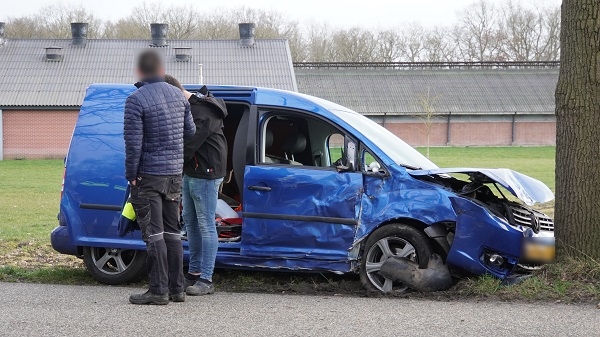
(157, 117)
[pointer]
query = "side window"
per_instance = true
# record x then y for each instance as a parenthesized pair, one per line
(289, 138)
(335, 148)
(370, 164)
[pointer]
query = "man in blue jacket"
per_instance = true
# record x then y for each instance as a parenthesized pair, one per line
(157, 117)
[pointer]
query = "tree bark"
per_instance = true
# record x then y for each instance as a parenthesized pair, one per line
(577, 211)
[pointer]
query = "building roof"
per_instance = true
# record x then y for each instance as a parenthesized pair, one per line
(28, 79)
(376, 91)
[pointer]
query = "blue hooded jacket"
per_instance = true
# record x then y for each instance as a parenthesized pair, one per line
(157, 117)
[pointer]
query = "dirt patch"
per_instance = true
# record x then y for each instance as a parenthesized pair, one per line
(34, 255)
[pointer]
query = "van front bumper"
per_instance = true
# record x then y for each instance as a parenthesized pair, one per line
(483, 243)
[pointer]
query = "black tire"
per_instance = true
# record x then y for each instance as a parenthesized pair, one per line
(105, 267)
(396, 236)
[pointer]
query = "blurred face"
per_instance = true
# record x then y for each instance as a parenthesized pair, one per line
(141, 76)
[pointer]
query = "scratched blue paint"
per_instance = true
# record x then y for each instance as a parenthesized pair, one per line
(95, 175)
(305, 192)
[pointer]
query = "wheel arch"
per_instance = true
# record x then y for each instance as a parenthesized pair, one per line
(415, 223)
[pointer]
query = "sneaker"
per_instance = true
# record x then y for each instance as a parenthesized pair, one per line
(200, 288)
(188, 282)
(149, 298)
(177, 297)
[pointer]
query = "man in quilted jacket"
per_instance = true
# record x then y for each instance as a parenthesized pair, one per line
(157, 117)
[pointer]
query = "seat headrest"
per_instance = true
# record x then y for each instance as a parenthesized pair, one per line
(295, 143)
(268, 139)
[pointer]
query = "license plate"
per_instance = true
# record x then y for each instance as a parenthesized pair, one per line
(538, 250)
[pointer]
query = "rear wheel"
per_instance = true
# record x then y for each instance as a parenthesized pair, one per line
(392, 240)
(114, 265)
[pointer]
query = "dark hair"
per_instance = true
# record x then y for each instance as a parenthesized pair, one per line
(174, 82)
(149, 62)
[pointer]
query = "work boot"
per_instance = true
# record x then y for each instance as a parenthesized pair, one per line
(177, 297)
(201, 287)
(149, 298)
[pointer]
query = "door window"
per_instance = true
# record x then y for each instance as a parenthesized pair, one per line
(293, 139)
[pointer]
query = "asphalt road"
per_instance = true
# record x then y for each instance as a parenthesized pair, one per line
(54, 310)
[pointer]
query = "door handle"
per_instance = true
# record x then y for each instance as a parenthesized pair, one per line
(259, 188)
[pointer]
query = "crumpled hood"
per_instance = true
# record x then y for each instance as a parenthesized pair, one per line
(528, 189)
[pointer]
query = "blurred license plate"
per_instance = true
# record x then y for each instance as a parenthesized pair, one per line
(538, 250)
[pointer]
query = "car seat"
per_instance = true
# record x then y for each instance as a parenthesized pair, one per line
(294, 144)
(268, 144)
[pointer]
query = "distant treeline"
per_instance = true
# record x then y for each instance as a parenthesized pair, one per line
(485, 31)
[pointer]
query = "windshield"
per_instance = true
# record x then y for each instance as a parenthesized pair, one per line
(400, 152)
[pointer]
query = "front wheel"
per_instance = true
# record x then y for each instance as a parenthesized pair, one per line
(114, 265)
(392, 240)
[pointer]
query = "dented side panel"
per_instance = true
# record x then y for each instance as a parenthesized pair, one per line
(399, 196)
(299, 212)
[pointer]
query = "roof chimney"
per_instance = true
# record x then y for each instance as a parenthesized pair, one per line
(79, 32)
(54, 53)
(1, 33)
(247, 34)
(182, 54)
(159, 34)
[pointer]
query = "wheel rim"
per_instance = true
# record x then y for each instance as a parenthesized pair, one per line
(112, 261)
(379, 253)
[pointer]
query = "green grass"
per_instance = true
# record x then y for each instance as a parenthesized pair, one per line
(54, 275)
(571, 280)
(29, 197)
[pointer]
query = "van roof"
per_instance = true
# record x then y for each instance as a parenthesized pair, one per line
(251, 95)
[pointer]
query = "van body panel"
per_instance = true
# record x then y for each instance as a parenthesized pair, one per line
(303, 213)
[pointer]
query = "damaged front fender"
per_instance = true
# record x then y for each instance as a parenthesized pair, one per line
(483, 243)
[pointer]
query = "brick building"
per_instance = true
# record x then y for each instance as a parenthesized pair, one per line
(486, 103)
(43, 81)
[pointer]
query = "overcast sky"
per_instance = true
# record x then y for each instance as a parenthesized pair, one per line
(370, 13)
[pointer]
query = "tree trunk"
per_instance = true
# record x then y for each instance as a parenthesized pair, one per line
(577, 211)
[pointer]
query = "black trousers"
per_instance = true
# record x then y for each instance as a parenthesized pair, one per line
(156, 200)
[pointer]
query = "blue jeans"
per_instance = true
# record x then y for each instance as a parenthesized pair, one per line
(199, 205)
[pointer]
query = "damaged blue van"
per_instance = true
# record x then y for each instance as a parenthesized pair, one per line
(320, 188)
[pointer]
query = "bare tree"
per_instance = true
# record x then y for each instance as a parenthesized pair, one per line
(427, 102)
(354, 45)
(54, 21)
(23, 27)
(551, 37)
(438, 46)
(482, 33)
(414, 46)
(319, 47)
(477, 36)
(390, 45)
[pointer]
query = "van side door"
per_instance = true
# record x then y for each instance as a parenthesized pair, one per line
(297, 203)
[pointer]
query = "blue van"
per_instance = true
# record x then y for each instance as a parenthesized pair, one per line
(321, 188)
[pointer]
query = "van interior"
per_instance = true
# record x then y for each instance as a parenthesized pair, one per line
(285, 138)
